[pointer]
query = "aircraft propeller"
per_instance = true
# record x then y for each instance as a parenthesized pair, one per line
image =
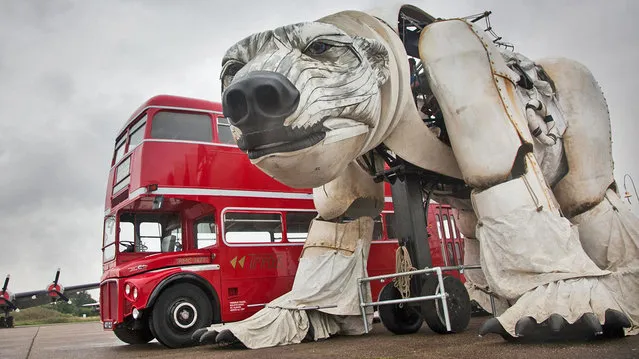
(55, 290)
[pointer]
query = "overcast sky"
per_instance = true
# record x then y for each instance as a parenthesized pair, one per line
(71, 72)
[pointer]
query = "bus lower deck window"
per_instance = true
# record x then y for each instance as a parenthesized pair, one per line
(297, 224)
(147, 232)
(246, 227)
(205, 232)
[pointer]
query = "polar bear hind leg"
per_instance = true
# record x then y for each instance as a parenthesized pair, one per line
(530, 253)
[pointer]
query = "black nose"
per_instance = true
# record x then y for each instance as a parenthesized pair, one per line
(261, 98)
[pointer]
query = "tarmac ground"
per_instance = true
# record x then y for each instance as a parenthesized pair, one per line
(88, 340)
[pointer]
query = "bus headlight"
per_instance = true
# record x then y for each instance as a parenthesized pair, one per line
(127, 289)
(135, 293)
(136, 313)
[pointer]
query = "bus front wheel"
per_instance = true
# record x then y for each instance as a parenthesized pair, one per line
(180, 310)
(133, 336)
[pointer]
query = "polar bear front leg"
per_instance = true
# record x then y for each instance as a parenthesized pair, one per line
(476, 283)
(334, 256)
(530, 254)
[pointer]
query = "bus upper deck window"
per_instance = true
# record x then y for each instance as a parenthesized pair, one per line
(224, 134)
(182, 126)
(119, 149)
(137, 133)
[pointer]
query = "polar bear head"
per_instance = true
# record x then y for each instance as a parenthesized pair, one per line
(303, 99)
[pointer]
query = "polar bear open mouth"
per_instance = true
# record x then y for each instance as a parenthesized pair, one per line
(286, 139)
(282, 146)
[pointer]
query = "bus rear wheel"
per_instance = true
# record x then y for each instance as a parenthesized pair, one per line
(398, 318)
(180, 310)
(133, 336)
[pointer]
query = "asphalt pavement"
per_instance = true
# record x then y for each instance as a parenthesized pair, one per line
(88, 340)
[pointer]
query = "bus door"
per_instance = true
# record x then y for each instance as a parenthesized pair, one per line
(204, 234)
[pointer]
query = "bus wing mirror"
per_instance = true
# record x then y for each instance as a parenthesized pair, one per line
(157, 202)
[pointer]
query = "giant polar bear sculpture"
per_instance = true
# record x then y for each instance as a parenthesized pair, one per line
(530, 140)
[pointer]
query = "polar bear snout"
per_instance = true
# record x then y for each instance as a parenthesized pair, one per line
(260, 100)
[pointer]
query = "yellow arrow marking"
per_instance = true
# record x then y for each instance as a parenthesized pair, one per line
(233, 261)
(242, 261)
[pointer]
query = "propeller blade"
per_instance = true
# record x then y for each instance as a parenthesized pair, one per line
(57, 276)
(6, 284)
(62, 296)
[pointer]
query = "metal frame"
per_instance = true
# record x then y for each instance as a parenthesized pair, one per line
(441, 293)
(461, 269)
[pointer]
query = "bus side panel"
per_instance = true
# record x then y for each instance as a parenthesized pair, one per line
(255, 275)
(381, 260)
(201, 166)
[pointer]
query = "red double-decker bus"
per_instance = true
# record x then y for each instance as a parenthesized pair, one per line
(194, 234)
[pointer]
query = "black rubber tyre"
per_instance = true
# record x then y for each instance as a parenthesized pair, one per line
(459, 307)
(3, 322)
(131, 336)
(180, 310)
(398, 318)
(10, 322)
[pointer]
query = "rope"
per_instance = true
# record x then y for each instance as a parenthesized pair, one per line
(403, 264)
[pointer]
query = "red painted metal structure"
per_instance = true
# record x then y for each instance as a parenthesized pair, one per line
(194, 233)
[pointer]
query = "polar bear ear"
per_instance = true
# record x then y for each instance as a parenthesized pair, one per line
(377, 56)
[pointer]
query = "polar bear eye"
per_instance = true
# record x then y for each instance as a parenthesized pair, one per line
(317, 48)
(228, 72)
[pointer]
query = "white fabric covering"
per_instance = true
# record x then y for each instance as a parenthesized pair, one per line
(326, 280)
(609, 233)
(536, 258)
(476, 283)
(526, 249)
